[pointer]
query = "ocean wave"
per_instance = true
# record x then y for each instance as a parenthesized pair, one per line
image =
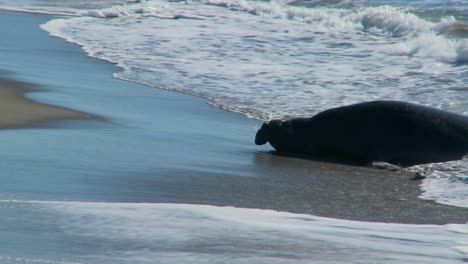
(333, 16)
(391, 20)
(441, 177)
(327, 3)
(112, 12)
(154, 9)
(435, 47)
(24, 260)
(422, 38)
(62, 8)
(98, 36)
(48, 11)
(183, 233)
(387, 20)
(462, 51)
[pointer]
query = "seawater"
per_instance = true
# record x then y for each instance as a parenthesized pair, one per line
(278, 59)
(83, 232)
(265, 60)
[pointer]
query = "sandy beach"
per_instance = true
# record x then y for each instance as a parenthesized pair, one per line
(19, 111)
(160, 146)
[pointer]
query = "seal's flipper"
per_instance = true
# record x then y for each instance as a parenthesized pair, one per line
(384, 166)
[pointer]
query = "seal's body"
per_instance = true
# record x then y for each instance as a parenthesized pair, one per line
(395, 132)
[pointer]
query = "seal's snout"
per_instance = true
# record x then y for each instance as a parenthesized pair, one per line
(262, 135)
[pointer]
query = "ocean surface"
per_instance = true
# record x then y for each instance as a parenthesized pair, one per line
(262, 59)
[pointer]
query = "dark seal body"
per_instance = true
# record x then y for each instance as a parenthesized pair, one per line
(395, 132)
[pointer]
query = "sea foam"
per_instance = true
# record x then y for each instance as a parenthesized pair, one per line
(446, 183)
(181, 233)
(328, 69)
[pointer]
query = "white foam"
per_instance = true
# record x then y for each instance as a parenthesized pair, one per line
(65, 7)
(389, 20)
(177, 233)
(445, 183)
(392, 21)
(234, 60)
(462, 51)
(23, 260)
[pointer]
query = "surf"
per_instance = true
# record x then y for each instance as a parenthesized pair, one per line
(177, 233)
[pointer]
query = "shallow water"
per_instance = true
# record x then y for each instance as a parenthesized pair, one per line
(179, 233)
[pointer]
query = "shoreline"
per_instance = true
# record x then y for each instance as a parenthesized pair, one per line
(21, 112)
(312, 187)
(163, 146)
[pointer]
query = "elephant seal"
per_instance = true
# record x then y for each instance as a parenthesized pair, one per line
(399, 133)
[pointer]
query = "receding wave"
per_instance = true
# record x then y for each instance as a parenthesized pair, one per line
(183, 233)
(441, 177)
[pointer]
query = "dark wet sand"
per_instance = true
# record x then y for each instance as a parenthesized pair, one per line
(304, 186)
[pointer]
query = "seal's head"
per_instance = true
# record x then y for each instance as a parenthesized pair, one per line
(267, 132)
(282, 135)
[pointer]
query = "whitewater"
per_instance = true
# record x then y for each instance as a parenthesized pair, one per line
(181, 233)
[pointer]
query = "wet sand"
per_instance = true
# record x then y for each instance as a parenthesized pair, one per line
(19, 111)
(304, 186)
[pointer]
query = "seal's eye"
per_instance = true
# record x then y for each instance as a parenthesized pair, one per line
(288, 128)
